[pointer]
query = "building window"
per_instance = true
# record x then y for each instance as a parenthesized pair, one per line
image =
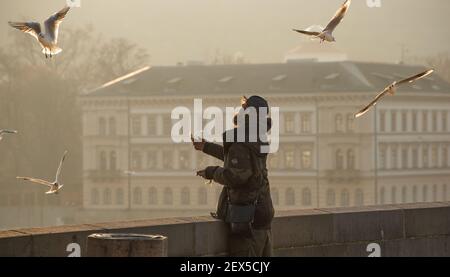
(306, 123)
(102, 161)
(331, 197)
(185, 196)
(95, 197)
(383, 121)
(424, 121)
(444, 121)
(383, 157)
(414, 194)
(444, 192)
(202, 196)
(339, 123)
(414, 122)
(152, 196)
(273, 161)
(289, 123)
(359, 197)
(434, 193)
(434, 123)
(102, 126)
(394, 121)
(184, 160)
(382, 196)
(113, 161)
(425, 193)
(167, 124)
(415, 157)
(136, 126)
(350, 159)
(112, 126)
(350, 123)
(289, 159)
(275, 196)
(425, 157)
(394, 195)
(306, 197)
(404, 121)
(445, 157)
(404, 158)
(136, 160)
(137, 196)
(167, 160)
(306, 159)
(339, 158)
(151, 125)
(29, 199)
(404, 195)
(119, 196)
(151, 159)
(434, 156)
(345, 198)
(394, 158)
(168, 196)
(107, 196)
(290, 197)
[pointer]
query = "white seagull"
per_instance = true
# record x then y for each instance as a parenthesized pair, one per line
(327, 33)
(391, 90)
(2, 132)
(49, 39)
(56, 185)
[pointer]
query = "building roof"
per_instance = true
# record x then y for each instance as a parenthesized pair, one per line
(283, 78)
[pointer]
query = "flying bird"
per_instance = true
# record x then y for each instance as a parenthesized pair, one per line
(3, 132)
(391, 90)
(327, 33)
(48, 40)
(56, 185)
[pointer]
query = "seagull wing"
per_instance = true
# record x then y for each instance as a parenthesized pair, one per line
(58, 172)
(337, 18)
(373, 103)
(8, 132)
(53, 22)
(37, 181)
(32, 28)
(415, 77)
(306, 32)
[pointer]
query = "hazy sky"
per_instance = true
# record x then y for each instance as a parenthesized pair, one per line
(180, 30)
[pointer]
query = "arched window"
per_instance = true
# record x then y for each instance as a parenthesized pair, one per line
(382, 196)
(350, 159)
(202, 196)
(394, 195)
(331, 197)
(102, 161)
(350, 123)
(339, 159)
(425, 193)
(137, 196)
(306, 197)
(339, 123)
(404, 195)
(359, 197)
(112, 126)
(113, 161)
(290, 197)
(185, 196)
(168, 196)
(95, 197)
(152, 196)
(345, 198)
(275, 196)
(102, 126)
(136, 160)
(107, 196)
(119, 196)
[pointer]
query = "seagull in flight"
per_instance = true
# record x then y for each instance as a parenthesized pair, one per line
(48, 40)
(54, 186)
(327, 33)
(2, 132)
(391, 90)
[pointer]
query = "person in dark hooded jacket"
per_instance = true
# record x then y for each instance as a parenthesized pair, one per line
(245, 183)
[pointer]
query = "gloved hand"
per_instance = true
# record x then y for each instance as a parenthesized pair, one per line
(207, 173)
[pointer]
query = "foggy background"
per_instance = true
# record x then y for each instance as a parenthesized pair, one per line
(104, 40)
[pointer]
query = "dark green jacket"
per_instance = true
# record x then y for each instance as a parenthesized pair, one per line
(242, 179)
